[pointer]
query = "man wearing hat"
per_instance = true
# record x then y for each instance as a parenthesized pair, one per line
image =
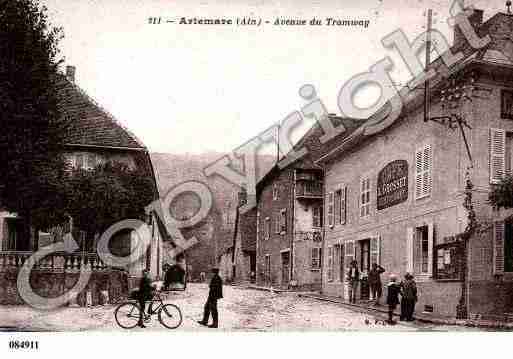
(215, 293)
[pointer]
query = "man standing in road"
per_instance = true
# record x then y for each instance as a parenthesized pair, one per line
(215, 293)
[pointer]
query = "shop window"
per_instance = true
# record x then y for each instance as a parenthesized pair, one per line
(316, 258)
(423, 249)
(448, 260)
(365, 197)
(419, 248)
(423, 175)
(507, 104)
(317, 216)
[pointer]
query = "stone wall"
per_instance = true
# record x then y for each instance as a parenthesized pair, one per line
(53, 284)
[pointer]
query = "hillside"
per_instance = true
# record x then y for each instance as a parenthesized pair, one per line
(215, 234)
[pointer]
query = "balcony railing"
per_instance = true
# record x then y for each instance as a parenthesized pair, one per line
(54, 261)
(309, 189)
(313, 235)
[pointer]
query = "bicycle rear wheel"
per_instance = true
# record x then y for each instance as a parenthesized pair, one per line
(170, 316)
(127, 315)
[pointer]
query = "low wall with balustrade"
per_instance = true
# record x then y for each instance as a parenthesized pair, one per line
(57, 274)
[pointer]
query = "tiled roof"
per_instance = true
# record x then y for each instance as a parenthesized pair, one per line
(89, 124)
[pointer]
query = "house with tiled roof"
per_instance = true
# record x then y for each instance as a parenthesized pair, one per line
(92, 136)
(406, 200)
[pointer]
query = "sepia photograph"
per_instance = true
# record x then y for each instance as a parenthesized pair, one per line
(175, 169)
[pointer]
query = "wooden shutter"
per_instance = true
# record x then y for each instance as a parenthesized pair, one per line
(428, 164)
(419, 164)
(330, 209)
(337, 207)
(431, 233)
(498, 248)
(497, 145)
(343, 201)
(410, 233)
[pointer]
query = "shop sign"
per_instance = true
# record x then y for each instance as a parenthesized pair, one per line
(392, 184)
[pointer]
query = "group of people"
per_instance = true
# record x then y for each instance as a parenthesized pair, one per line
(407, 290)
(146, 291)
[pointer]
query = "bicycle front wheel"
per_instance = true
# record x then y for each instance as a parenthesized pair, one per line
(170, 316)
(127, 315)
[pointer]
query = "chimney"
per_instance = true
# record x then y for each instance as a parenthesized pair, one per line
(476, 20)
(70, 73)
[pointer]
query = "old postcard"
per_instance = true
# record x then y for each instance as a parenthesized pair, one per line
(178, 167)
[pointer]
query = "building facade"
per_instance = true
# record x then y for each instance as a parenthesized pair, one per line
(397, 197)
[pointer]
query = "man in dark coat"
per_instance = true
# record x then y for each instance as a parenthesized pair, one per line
(145, 293)
(215, 293)
(375, 281)
(409, 297)
(393, 291)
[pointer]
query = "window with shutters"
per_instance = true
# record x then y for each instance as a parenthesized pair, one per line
(317, 216)
(507, 104)
(316, 258)
(329, 266)
(423, 171)
(283, 221)
(330, 209)
(497, 149)
(365, 200)
(340, 205)
(503, 247)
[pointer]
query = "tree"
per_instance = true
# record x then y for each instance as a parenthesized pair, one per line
(108, 194)
(32, 168)
(501, 195)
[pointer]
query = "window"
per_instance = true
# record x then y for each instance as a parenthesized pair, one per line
(85, 160)
(349, 252)
(365, 197)
(501, 154)
(423, 165)
(283, 221)
(375, 250)
(330, 264)
(276, 192)
(507, 104)
(449, 257)
(330, 209)
(503, 247)
(267, 228)
(317, 216)
(420, 249)
(343, 205)
(316, 258)
(277, 223)
(338, 262)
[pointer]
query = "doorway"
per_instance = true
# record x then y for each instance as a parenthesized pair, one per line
(364, 268)
(285, 268)
(18, 238)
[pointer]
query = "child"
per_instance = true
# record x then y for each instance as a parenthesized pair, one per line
(393, 291)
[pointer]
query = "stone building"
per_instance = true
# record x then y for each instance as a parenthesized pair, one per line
(397, 197)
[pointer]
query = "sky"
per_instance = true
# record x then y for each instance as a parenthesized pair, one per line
(211, 88)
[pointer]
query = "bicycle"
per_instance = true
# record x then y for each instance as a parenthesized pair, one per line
(128, 314)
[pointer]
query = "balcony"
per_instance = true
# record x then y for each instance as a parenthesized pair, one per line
(308, 190)
(314, 235)
(58, 262)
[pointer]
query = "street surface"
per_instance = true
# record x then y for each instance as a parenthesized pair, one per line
(240, 310)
